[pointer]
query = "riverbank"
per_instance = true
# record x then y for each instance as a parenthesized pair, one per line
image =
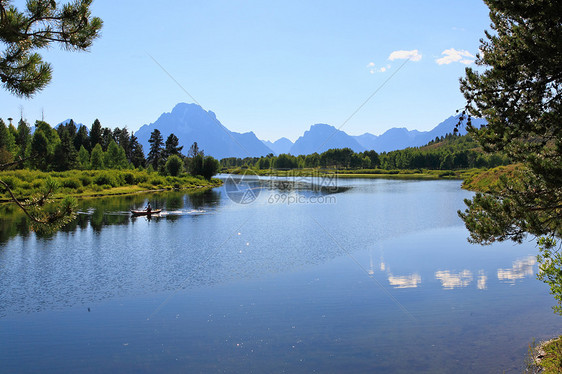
(487, 180)
(406, 174)
(98, 183)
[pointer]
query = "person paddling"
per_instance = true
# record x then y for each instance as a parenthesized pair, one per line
(148, 207)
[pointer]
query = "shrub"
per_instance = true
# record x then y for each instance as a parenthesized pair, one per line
(71, 183)
(85, 180)
(174, 165)
(157, 181)
(129, 178)
(105, 179)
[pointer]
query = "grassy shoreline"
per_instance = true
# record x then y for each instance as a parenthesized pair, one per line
(98, 183)
(415, 174)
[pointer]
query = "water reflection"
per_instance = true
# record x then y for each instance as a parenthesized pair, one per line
(404, 281)
(450, 280)
(520, 269)
(482, 279)
(115, 210)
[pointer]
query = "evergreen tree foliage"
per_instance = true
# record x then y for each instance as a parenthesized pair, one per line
(195, 166)
(96, 158)
(7, 140)
(65, 156)
(82, 139)
(23, 139)
(137, 153)
(174, 165)
(172, 146)
(42, 23)
(156, 151)
(106, 138)
(115, 157)
(520, 94)
(40, 150)
(210, 167)
(95, 134)
(84, 158)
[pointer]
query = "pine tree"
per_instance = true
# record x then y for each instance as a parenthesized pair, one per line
(172, 147)
(95, 134)
(155, 153)
(82, 139)
(42, 23)
(96, 158)
(66, 156)
(519, 94)
(137, 153)
(23, 140)
(84, 158)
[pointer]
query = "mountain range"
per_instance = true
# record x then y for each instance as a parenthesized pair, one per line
(191, 123)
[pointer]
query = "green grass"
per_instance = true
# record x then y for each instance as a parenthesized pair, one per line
(545, 358)
(84, 183)
(487, 180)
(415, 174)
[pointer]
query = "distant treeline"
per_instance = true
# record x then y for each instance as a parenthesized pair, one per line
(443, 153)
(68, 147)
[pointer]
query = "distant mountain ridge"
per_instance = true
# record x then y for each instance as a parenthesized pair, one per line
(322, 137)
(281, 145)
(400, 138)
(191, 123)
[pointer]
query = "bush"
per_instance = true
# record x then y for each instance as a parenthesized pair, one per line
(129, 178)
(157, 181)
(105, 179)
(11, 182)
(174, 165)
(85, 180)
(71, 183)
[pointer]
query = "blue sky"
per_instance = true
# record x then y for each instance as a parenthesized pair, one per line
(274, 68)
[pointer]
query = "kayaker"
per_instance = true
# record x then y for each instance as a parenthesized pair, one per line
(148, 207)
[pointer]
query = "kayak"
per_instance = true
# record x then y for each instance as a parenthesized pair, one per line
(145, 212)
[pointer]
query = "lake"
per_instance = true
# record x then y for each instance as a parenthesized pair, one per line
(372, 276)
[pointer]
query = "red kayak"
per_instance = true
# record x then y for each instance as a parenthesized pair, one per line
(145, 212)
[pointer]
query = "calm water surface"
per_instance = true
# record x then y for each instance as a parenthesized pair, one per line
(375, 278)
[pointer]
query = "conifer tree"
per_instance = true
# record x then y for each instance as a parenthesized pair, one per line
(41, 24)
(156, 151)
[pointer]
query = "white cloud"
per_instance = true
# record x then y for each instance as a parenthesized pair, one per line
(412, 55)
(452, 55)
(373, 69)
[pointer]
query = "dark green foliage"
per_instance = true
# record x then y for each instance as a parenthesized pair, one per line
(7, 140)
(115, 157)
(65, 156)
(23, 139)
(81, 139)
(96, 158)
(210, 167)
(106, 138)
(106, 179)
(520, 95)
(95, 134)
(450, 152)
(38, 26)
(195, 166)
(137, 153)
(172, 146)
(156, 152)
(174, 165)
